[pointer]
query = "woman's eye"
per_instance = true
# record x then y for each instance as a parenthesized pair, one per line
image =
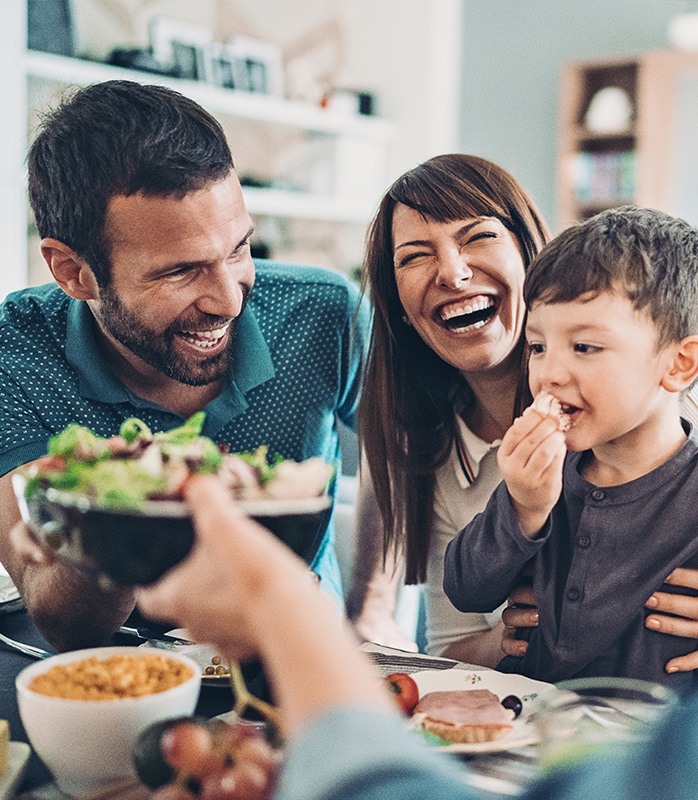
(483, 235)
(411, 258)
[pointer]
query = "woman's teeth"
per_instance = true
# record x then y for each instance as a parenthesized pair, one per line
(468, 315)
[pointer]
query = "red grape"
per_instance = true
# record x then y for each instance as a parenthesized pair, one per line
(188, 747)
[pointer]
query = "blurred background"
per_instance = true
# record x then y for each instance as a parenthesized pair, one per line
(588, 102)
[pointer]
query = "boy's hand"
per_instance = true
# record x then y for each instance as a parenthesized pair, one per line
(530, 459)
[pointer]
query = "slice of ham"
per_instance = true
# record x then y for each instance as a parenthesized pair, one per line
(465, 707)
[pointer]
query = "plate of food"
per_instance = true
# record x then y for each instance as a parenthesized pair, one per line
(479, 711)
(113, 507)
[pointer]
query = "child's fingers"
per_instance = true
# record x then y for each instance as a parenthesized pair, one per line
(548, 455)
(545, 434)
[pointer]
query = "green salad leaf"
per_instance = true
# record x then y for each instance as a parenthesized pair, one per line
(134, 428)
(76, 441)
(127, 476)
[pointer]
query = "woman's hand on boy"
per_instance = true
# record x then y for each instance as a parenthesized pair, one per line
(684, 616)
(530, 459)
(520, 613)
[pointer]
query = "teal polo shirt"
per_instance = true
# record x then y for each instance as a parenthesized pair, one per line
(296, 371)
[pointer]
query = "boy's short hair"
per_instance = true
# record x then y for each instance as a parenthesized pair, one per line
(118, 138)
(651, 256)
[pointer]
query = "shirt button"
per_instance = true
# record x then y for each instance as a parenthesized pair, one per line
(583, 541)
(573, 595)
(597, 494)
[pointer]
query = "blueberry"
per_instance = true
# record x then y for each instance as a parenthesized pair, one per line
(514, 703)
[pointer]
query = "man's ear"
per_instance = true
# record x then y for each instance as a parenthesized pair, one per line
(71, 273)
(683, 368)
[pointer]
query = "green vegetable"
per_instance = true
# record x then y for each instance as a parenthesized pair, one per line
(134, 428)
(76, 441)
(116, 480)
(260, 460)
(185, 433)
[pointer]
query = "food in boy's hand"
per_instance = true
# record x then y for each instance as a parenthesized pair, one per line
(547, 405)
(191, 757)
(404, 689)
(137, 465)
(466, 716)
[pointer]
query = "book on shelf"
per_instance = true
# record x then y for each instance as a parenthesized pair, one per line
(604, 177)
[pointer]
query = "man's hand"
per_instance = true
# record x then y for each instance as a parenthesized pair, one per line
(684, 621)
(520, 613)
(530, 459)
(27, 547)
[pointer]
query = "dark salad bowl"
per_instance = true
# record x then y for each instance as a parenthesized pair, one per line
(135, 547)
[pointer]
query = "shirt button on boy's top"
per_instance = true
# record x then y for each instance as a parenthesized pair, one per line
(574, 595)
(597, 494)
(583, 541)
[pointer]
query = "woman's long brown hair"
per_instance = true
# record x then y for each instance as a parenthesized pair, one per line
(406, 417)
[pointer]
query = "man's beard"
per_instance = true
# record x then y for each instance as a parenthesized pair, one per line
(159, 350)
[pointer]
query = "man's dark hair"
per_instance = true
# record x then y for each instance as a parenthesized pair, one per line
(647, 255)
(118, 138)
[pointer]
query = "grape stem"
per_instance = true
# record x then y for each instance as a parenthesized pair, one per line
(245, 700)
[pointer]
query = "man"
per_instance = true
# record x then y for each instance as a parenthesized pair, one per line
(159, 311)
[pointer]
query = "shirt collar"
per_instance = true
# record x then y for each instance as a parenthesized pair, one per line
(252, 366)
(476, 449)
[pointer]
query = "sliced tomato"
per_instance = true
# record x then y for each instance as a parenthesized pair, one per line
(405, 690)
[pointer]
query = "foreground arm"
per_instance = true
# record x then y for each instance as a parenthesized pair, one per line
(243, 590)
(69, 611)
(247, 593)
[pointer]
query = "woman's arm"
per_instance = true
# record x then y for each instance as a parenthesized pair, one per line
(374, 585)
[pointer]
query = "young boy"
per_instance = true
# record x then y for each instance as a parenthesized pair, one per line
(612, 331)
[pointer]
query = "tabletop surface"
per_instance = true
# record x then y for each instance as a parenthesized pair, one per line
(497, 775)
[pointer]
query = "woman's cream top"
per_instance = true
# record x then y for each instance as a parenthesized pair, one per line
(456, 501)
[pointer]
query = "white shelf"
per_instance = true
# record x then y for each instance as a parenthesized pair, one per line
(303, 205)
(247, 105)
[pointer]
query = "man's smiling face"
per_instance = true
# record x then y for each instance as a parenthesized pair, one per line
(181, 272)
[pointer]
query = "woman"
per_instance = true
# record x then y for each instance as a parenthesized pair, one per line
(446, 258)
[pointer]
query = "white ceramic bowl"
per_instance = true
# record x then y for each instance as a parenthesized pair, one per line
(87, 744)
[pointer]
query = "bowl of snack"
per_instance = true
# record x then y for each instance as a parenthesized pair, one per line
(114, 509)
(83, 711)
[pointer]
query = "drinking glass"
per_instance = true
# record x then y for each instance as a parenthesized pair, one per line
(592, 716)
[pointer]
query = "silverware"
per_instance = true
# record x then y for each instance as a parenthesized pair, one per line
(27, 649)
(148, 635)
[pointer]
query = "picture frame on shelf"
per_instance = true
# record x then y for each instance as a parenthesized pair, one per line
(182, 47)
(260, 65)
(228, 70)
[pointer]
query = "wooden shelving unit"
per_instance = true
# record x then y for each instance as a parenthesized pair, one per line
(640, 164)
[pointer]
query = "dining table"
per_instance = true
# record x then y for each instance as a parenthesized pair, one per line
(497, 775)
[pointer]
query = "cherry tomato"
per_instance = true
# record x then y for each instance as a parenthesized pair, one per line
(405, 690)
